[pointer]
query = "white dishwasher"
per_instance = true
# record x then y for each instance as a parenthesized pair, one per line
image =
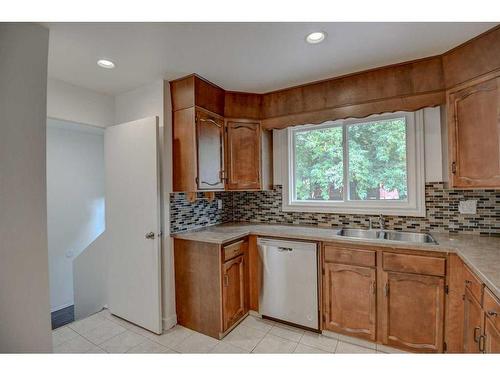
(289, 290)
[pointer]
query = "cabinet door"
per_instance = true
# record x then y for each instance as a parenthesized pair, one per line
(349, 294)
(491, 337)
(474, 127)
(473, 316)
(233, 292)
(413, 312)
(243, 155)
(209, 138)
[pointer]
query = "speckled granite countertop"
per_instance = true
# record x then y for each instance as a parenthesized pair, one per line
(481, 254)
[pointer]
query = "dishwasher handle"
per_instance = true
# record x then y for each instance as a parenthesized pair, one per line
(283, 249)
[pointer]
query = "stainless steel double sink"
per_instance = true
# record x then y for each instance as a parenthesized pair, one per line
(391, 235)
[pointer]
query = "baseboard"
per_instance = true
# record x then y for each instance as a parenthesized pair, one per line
(62, 316)
(169, 322)
(254, 313)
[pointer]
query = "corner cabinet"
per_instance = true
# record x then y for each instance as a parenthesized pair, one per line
(474, 133)
(211, 152)
(211, 285)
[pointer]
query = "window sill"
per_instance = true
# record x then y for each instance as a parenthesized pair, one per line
(353, 210)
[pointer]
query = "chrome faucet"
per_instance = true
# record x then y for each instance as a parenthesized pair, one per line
(381, 222)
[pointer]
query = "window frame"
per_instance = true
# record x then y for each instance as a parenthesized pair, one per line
(414, 205)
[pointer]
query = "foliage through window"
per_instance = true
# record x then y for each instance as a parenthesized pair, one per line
(367, 164)
(376, 161)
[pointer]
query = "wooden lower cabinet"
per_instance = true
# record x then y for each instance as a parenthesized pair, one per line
(413, 312)
(211, 285)
(350, 300)
(473, 322)
(233, 291)
(491, 337)
(391, 296)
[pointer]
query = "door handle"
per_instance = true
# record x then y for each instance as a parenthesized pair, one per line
(150, 236)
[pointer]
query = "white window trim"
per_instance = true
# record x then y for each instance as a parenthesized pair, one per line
(413, 206)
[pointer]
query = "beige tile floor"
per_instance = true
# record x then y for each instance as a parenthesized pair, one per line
(105, 333)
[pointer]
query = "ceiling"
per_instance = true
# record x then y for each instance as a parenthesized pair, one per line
(252, 57)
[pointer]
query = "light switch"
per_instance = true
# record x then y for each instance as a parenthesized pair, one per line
(467, 207)
(219, 204)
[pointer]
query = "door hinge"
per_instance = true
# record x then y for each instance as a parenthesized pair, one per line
(445, 346)
(463, 297)
(454, 167)
(446, 289)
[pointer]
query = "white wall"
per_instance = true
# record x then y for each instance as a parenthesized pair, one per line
(77, 104)
(24, 279)
(75, 200)
(154, 100)
(433, 146)
(90, 279)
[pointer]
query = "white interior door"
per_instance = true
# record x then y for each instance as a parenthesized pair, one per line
(133, 222)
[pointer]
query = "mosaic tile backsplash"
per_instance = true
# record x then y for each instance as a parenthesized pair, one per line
(265, 207)
(185, 215)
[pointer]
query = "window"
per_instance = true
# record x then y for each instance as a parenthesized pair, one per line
(372, 165)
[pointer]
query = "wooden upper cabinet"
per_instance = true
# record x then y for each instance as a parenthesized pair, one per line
(233, 292)
(193, 91)
(474, 133)
(210, 151)
(243, 152)
(349, 295)
(413, 308)
(200, 135)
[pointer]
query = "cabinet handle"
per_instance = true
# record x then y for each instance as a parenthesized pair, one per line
(386, 289)
(468, 282)
(476, 334)
(374, 287)
(492, 313)
(210, 121)
(454, 167)
(482, 340)
(226, 280)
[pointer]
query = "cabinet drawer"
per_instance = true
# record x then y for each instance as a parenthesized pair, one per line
(345, 255)
(492, 308)
(414, 264)
(473, 283)
(233, 250)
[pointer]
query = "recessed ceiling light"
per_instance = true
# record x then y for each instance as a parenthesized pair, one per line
(316, 37)
(105, 63)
